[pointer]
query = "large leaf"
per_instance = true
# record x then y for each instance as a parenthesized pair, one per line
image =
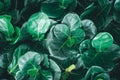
(19, 51)
(57, 8)
(53, 10)
(74, 23)
(32, 59)
(63, 38)
(104, 59)
(58, 48)
(38, 67)
(37, 25)
(6, 27)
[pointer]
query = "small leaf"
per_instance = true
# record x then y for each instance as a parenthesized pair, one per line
(72, 20)
(61, 31)
(117, 5)
(89, 28)
(32, 72)
(102, 41)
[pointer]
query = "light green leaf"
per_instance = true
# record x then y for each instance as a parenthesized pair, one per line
(102, 41)
(37, 25)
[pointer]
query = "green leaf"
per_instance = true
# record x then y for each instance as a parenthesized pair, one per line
(74, 23)
(55, 69)
(61, 31)
(58, 49)
(3, 61)
(53, 10)
(103, 59)
(72, 20)
(20, 75)
(102, 41)
(1, 6)
(24, 33)
(15, 16)
(65, 3)
(114, 30)
(30, 2)
(96, 73)
(6, 27)
(19, 51)
(89, 11)
(38, 67)
(32, 72)
(46, 75)
(117, 5)
(89, 28)
(76, 37)
(57, 8)
(7, 4)
(116, 16)
(85, 45)
(98, 13)
(63, 38)
(29, 60)
(16, 36)
(105, 6)
(37, 25)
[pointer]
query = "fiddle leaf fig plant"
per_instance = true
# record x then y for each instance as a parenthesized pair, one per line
(63, 37)
(104, 57)
(59, 39)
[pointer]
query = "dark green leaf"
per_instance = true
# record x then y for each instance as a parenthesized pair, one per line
(116, 16)
(89, 28)
(117, 5)
(104, 59)
(53, 10)
(19, 51)
(96, 73)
